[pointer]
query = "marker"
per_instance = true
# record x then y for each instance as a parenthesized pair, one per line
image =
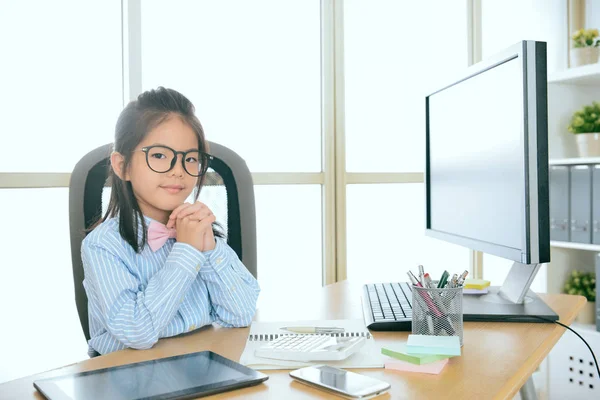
(443, 280)
(428, 283)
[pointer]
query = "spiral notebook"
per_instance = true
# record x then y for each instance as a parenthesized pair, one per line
(369, 355)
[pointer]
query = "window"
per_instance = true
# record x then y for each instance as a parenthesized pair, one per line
(252, 69)
(288, 219)
(62, 84)
(61, 94)
(386, 238)
(41, 325)
(529, 20)
(541, 20)
(392, 61)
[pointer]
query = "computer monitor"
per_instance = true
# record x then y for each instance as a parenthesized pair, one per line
(486, 174)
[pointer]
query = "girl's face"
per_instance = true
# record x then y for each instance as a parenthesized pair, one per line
(160, 193)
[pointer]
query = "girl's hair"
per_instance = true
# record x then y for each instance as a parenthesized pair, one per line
(135, 121)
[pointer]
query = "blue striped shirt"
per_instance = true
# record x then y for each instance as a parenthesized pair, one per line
(135, 299)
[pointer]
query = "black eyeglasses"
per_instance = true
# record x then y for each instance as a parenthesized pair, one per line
(162, 159)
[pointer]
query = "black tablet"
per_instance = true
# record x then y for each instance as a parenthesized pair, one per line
(180, 377)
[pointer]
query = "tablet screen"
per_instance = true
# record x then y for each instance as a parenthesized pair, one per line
(177, 377)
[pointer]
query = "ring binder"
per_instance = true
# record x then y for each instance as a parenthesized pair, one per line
(368, 356)
(273, 336)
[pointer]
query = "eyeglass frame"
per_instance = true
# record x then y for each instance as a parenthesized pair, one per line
(176, 153)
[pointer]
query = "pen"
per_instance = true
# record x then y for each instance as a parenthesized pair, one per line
(447, 325)
(313, 329)
(424, 295)
(462, 277)
(422, 275)
(435, 294)
(453, 282)
(413, 279)
(431, 305)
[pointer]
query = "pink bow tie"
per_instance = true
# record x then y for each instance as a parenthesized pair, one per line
(158, 235)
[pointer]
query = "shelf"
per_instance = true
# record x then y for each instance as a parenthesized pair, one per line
(576, 246)
(584, 75)
(574, 161)
(589, 328)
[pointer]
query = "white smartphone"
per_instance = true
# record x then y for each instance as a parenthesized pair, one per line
(344, 383)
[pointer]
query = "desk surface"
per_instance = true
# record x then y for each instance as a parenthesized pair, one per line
(497, 357)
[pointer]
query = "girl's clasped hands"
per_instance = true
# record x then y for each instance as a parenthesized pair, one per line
(193, 223)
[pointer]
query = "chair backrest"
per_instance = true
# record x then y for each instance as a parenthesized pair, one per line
(228, 186)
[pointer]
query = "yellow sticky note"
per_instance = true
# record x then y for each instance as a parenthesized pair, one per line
(476, 284)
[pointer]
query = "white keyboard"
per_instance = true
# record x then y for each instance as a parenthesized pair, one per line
(310, 348)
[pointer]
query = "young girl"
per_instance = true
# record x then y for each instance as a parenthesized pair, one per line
(154, 267)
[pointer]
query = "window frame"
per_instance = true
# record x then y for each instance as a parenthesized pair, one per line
(333, 177)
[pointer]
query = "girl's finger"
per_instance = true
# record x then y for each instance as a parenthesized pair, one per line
(209, 221)
(176, 211)
(173, 217)
(200, 215)
(192, 210)
(205, 224)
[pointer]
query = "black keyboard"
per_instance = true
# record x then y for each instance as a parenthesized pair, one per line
(387, 306)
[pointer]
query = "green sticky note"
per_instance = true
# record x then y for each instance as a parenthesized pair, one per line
(431, 344)
(399, 353)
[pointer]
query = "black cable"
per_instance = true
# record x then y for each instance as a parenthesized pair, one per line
(586, 343)
(564, 326)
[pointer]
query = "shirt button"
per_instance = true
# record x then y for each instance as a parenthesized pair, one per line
(219, 260)
(181, 301)
(192, 328)
(233, 288)
(197, 267)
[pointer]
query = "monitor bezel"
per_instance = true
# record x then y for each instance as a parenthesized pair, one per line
(535, 246)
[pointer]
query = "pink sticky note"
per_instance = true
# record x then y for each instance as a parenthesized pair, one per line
(432, 368)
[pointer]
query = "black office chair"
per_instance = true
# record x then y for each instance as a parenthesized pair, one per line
(228, 190)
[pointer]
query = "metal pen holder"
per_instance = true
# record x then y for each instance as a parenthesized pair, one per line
(437, 312)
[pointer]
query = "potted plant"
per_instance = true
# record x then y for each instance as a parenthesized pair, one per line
(583, 284)
(585, 48)
(585, 124)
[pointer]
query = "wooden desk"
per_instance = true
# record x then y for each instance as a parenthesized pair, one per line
(497, 358)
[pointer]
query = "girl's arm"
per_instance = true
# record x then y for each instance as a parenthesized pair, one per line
(131, 312)
(233, 291)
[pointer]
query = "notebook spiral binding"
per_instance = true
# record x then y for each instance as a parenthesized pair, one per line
(268, 337)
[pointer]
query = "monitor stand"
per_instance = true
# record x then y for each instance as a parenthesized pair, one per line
(511, 302)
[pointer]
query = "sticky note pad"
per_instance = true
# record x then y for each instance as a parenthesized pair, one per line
(475, 284)
(429, 344)
(432, 368)
(399, 353)
(475, 291)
